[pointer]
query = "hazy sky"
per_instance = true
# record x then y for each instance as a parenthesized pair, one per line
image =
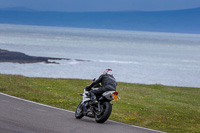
(101, 5)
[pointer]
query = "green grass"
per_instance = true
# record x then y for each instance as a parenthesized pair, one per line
(164, 108)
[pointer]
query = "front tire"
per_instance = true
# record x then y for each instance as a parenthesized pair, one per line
(79, 112)
(106, 108)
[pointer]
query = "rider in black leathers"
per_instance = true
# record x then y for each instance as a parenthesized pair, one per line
(108, 83)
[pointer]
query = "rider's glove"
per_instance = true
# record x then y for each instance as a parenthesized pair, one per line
(87, 88)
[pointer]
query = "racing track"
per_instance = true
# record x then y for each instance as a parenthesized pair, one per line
(23, 116)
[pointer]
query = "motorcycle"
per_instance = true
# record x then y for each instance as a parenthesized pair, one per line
(100, 111)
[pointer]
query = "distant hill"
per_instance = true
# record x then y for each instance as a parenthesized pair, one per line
(181, 21)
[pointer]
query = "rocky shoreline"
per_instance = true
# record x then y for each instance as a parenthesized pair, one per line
(18, 57)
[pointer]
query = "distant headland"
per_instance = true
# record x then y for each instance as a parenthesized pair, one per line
(18, 57)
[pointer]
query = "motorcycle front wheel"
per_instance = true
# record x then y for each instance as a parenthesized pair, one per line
(103, 115)
(79, 112)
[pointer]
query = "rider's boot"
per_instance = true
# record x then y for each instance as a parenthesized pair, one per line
(93, 98)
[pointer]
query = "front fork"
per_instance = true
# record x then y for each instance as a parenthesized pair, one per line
(99, 107)
(85, 111)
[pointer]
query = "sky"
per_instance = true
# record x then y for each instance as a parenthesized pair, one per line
(101, 5)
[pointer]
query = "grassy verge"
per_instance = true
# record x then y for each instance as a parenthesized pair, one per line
(165, 108)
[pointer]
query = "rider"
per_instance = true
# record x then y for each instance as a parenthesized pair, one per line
(108, 83)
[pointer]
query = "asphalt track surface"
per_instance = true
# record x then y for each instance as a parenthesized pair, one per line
(23, 116)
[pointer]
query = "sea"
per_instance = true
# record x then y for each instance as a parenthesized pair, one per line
(134, 56)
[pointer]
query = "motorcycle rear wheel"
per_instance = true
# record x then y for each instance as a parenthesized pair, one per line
(79, 112)
(105, 113)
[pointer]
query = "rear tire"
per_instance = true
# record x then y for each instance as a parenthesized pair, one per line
(79, 112)
(107, 109)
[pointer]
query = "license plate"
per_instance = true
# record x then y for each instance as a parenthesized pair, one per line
(115, 97)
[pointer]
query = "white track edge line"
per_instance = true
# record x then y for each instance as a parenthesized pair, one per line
(35, 102)
(137, 126)
(74, 112)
